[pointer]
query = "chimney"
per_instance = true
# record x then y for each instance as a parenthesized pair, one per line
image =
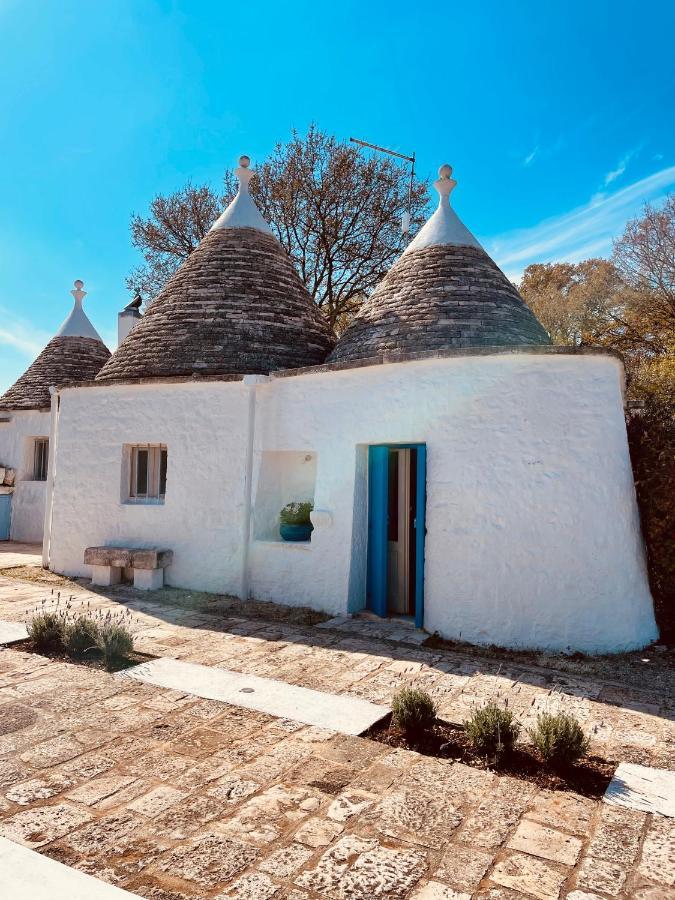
(128, 318)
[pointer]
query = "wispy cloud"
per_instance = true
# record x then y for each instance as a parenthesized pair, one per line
(529, 159)
(20, 334)
(621, 167)
(583, 232)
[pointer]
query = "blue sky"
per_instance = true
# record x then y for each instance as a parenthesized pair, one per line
(557, 117)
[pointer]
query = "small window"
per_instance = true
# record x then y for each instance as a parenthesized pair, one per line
(40, 459)
(148, 473)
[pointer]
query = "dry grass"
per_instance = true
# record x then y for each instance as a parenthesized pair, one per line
(224, 605)
(36, 575)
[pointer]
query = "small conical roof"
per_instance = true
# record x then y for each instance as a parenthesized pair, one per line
(236, 306)
(443, 292)
(75, 354)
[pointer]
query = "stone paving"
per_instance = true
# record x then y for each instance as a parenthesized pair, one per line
(175, 797)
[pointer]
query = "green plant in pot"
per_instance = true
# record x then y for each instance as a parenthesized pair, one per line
(295, 523)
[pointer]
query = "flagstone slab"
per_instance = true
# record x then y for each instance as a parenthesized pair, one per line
(41, 825)
(538, 840)
(643, 788)
(27, 874)
(11, 632)
(347, 715)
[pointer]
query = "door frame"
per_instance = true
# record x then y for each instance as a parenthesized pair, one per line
(8, 504)
(377, 575)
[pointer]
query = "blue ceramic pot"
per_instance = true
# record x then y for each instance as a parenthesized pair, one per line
(296, 532)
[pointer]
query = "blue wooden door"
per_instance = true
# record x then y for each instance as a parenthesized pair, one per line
(378, 476)
(378, 510)
(5, 515)
(420, 532)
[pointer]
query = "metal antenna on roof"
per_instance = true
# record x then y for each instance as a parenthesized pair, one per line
(405, 218)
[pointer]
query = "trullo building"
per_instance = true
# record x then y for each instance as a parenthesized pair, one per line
(463, 472)
(76, 353)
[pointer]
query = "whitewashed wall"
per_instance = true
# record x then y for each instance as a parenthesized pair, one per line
(16, 451)
(532, 531)
(204, 426)
(533, 537)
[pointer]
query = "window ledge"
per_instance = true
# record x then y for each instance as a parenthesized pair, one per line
(292, 545)
(131, 502)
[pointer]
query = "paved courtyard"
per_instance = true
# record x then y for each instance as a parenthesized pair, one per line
(175, 797)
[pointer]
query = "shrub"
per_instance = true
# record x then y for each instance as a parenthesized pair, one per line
(559, 738)
(413, 710)
(296, 514)
(47, 631)
(115, 643)
(651, 435)
(81, 635)
(492, 730)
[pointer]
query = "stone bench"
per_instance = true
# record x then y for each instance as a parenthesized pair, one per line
(148, 564)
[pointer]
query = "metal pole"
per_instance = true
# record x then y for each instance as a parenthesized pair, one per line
(410, 159)
(405, 226)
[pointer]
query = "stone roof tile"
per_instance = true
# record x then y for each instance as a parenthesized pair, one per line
(235, 306)
(65, 360)
(443, 292)
(440, 297)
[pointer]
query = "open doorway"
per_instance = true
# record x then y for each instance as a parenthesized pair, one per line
(396, 530)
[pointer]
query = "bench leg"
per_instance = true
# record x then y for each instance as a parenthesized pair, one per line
(148, 579)
(105, 576)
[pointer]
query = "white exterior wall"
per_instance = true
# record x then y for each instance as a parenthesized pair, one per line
(204, 426)
(16, 451)
(533, 537)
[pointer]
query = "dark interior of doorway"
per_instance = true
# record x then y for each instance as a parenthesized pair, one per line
(403, 492)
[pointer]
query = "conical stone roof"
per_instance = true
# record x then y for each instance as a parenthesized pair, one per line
(444, 292)
(236, 306)
(75, 354)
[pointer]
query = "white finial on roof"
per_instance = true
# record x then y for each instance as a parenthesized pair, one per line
(77, 324)
(445, 184)
(445, 226)
(78, 293)
(242, 211)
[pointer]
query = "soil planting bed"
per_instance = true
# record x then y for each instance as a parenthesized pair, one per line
(589, 777)
(93, 659)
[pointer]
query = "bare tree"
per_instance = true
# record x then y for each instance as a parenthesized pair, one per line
(174, 228)
(336, 210)
(645, 258)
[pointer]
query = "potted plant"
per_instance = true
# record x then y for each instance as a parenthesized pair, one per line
(294, 522)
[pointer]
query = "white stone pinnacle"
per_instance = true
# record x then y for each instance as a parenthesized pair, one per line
(445, 183)
(77, 324)
(445, 226)
(242, 211)
(77, 292)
